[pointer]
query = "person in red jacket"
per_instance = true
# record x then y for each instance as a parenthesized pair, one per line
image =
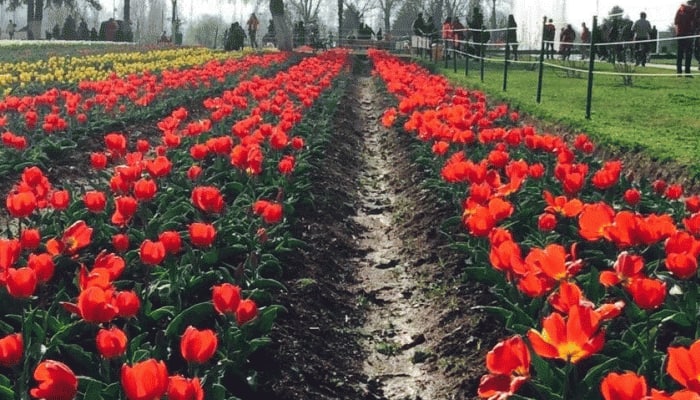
(684, 24)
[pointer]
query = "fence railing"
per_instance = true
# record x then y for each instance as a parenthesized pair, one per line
(619, 53)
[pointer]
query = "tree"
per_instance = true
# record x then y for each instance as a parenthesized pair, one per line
(386, 8)
(35, 12)
(305, 10)
(351, 22)
(283, 33)
(405, 16)
(207, 30)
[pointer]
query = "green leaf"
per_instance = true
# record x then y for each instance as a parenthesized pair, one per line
(92, 387)
(218, 391)
(678, 318)
(211, 257)
(267, 317)
(291, 243)
(192, 316)
(77, 355)
(259, 343)
(161, 313)
(270, 269)
(263, 283)
(6, 393)
(595, 374)
(505, 314)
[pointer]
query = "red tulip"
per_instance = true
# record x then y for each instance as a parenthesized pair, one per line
(21, 204)
(194, 172)
(126, 207)
(683, 366)
(43, 266)
(546, 222)
(142, 146)
(111, 343)
(198, 346)
(246, 311)
(208, 199)
(10, 250)
(159, 167)
(181, 388)
(632, 197)
(120, 242)
(647, 293)
(30, 238)
(201, 234)
(21, 283)
(116, 144)
(95, 201)
(297, 143)
(98, 161)
(145, 189)
(199, 151)
(509, 367)
(273, 213)
(75, 237)
(56, 381)
(286, 165)
(95, 305)
(11, 350)
(152, 253)
(570, 340)
(128, 304)
(171, 241)
(226, 298)
(60, 199)
(626, 386)
(146, 380)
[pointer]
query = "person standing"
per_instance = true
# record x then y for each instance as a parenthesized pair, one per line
(11, 29)
(585, 40)
(418, 27)
(512, 36)
(684, 24)
(253, 29)
(642, 31)
(549, 32)
(568, 35)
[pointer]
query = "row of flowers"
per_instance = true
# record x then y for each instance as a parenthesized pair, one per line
(156, 277)
(41, 129)
(63, 70)
(596, 271)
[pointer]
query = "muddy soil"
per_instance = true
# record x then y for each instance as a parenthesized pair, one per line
(377, 307)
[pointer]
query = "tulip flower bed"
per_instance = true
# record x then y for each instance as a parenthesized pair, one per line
(595, 272)
(39, 129)
(155, 275)
(64, 71)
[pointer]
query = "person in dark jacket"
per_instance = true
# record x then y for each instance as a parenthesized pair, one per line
(512, 36)
(549, 32)
(684, 24)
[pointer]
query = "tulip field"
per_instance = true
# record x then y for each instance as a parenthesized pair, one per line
(150, 200)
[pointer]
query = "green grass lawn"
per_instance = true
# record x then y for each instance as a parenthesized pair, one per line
(656, 114)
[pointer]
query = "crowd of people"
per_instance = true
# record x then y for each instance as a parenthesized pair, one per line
(629, 40)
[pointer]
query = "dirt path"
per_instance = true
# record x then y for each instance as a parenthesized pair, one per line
(397, 314)
(377, 306)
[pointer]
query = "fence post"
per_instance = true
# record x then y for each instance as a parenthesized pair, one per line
(591, 56)
(454, 53)
(444, 50)
(539, 77)
(466, 53)
(481, 53)
(505, 63)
